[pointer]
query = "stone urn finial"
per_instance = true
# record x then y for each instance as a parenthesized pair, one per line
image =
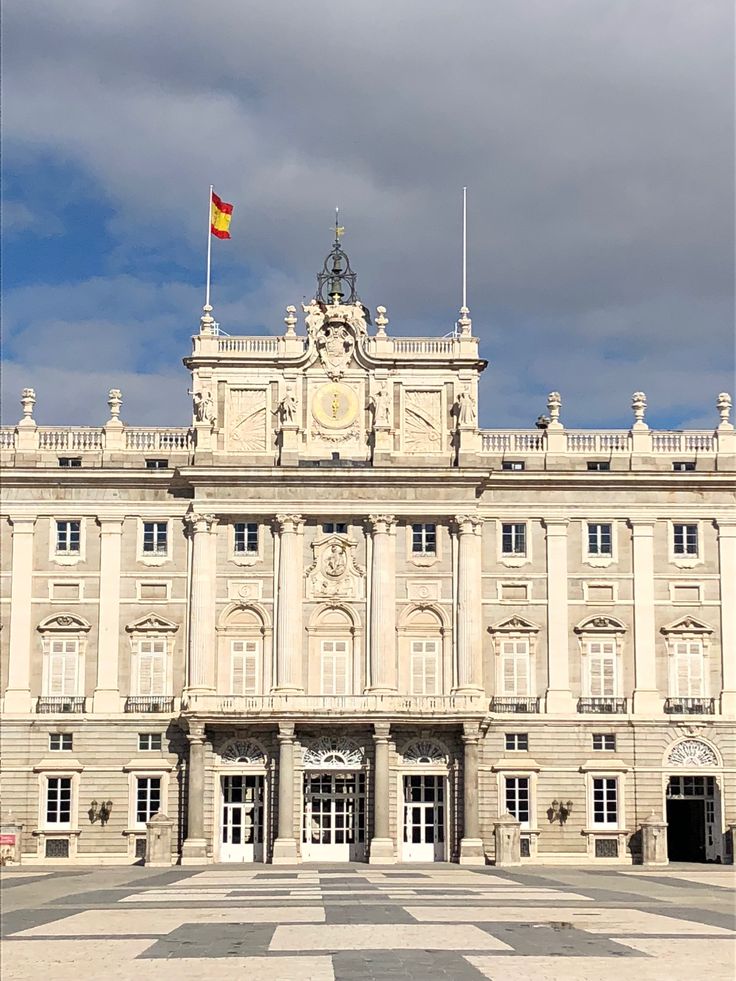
(639, 406)
(723, 404)
(28, 400)
(381, 321)
(114, 400)
(290, 321)
(465, 323)
(554, 405)
(207, 321)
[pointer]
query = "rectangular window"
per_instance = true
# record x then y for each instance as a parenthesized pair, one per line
(70, 461)
(335, 667)
(424, 539)
(515, 667)
(334, 528)
(517, 799)
(149, 741)
(516, 741)
(244, 667)
(605, 801)
(599, 465)
(688, 672)
(601, 668)
(156, 464)
(424, 667)
(685, 539)
(600, 540)
(604, 741)
(68, 537)
(513, 539)
(683, 465)
(152, 666)
(61, 673)
(60, 741)
(148, 798)
(246, 537)
(512, 465)
(155, 537)
(59, 800)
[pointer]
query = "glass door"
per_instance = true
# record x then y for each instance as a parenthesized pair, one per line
(424, 818)
(242, 818)
(333, 829)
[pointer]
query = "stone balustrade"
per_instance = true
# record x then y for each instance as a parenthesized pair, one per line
(297, 705)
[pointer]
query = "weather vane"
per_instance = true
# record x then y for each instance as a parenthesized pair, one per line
(339, 229)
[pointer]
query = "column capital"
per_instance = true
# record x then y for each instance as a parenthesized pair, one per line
(556, 526)
(642, 527)
(286, 732)
(289, 523)
(471, 732)
(110, 525)
(381, 732)
(382, 524)
(196, 733)
(200, 523)
(468, 524)
(22, 523)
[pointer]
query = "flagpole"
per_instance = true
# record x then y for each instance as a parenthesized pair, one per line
(465, 248)
(209, 247)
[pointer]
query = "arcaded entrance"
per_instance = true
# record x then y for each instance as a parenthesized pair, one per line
(334, 802)
(693, 803)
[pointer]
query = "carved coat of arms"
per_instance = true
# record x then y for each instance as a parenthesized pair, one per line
(335, 346)
(334, 573)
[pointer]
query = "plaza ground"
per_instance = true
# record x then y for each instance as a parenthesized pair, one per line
(354, 923)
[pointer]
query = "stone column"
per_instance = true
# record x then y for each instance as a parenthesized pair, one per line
(559, 696)
(194, 849)
(383, 604)
(469, 606)
(382, 847)
(471, 844)
(654, 841)
(647, 699)
(727, 569)
(202, 602)
(107, 690)
(289, 599)
(18, 693)
(284, 848)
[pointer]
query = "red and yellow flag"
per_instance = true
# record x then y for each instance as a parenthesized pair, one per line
(221, 214)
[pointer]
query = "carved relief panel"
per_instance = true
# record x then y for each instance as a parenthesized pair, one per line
(422, 421)
(334, 573)
(246, 420)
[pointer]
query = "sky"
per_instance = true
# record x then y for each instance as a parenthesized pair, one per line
(596, 139)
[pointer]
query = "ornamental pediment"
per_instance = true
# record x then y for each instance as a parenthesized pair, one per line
(600, 624)
(152, 622)
(687, 625)
(515, 624)
(64, 622)
(334, 572)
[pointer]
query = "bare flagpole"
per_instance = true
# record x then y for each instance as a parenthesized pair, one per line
(465, 248)
(209, 250)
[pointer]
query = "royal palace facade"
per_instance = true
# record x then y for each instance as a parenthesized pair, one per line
(335, 620)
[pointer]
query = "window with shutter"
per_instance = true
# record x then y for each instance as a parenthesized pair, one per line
(152, 667)
(515, 667)
(335, 667)
(601, 669)
(244, 667)
(62, 672)
(424, 667)
(688, 669)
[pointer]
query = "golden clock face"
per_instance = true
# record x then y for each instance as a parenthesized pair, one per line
(335, 406)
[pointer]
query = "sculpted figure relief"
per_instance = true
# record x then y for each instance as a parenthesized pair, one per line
(288, 406)
(466, 411)
(204, 406)
(381, 404)
(335, 561)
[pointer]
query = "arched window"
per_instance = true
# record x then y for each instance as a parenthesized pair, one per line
(422, 637)
(242, 632)
(332, 668)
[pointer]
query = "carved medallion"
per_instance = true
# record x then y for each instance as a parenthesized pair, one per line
(334, 573)
(335, 406)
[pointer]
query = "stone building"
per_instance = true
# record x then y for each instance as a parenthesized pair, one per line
(334, 619)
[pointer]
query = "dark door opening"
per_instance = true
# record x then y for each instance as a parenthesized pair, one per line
(686, 830)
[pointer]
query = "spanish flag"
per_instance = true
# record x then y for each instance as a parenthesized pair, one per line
(221, 213)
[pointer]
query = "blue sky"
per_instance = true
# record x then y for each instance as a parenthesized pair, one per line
(596, 139)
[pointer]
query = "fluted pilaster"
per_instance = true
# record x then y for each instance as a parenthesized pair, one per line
(202, 602)
(289, 617)
(469, 671)
(383, 604)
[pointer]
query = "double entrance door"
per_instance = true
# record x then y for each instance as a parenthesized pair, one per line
(693, 819)
(333, 827)
(424, 818)
(241, 835)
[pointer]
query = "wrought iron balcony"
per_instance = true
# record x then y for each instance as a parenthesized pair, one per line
(60, 703)
(606, 706)
(690, 706)
(149, 703)
(514, 704)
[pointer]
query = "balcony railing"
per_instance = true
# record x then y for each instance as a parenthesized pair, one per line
(515, 705)
(606, 706)
(690, 706)
(149, 703)
(60, 703)
(430, 705)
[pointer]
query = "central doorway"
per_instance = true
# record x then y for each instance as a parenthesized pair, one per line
(241, 836)
(333, 829)
(692, 831)
(424, 818)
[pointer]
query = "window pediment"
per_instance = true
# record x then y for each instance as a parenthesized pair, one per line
(687, 625)
(600, 625)
(516, 625)
(152, 623)
(64, 623)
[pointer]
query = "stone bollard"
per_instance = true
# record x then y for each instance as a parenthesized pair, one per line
(10, 838)
(654, 841)
(159, 832)
(506, 832)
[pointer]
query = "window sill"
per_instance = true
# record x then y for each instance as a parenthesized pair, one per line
(246, 558)
(514, 561)
(424, 559)
(62, 558)
(599, 561)
(686, 561)
(154, 559)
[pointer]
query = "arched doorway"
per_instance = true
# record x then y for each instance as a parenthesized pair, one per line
(693, 803)
(334, 808)
(242, 794)
(426, 801)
